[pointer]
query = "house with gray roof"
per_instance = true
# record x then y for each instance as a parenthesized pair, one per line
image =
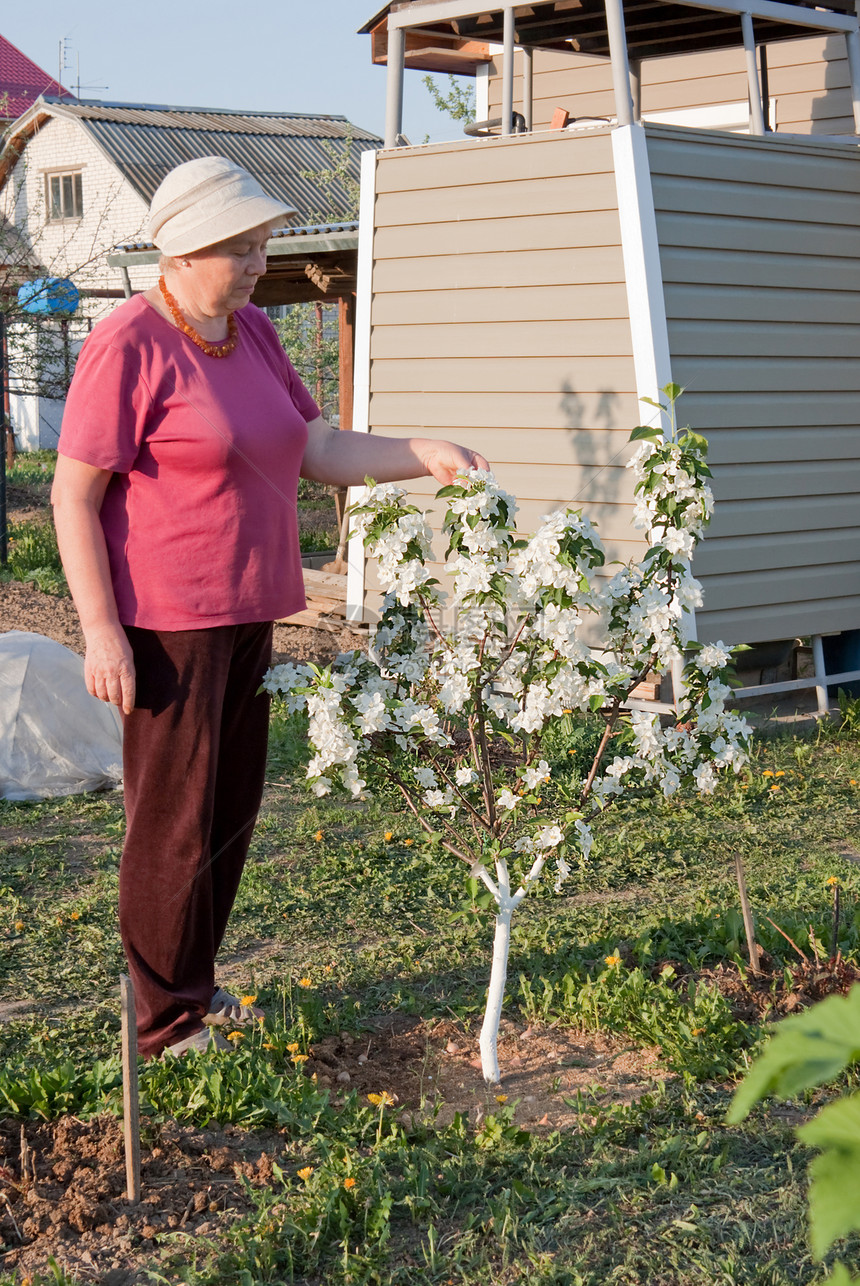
(76, 178)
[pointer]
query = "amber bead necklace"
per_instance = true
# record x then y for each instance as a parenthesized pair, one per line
(222, 349)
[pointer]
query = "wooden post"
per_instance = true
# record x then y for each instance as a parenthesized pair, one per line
(746, 911)
(130, 1091)
(346, 358)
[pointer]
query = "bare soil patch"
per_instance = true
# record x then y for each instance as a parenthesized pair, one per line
(433, 1069)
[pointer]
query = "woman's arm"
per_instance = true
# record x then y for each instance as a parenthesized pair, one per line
(77, 496)
(345, 459)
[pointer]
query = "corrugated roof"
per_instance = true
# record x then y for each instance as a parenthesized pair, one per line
(280, 149)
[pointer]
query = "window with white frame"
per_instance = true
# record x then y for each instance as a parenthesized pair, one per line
(64, 195)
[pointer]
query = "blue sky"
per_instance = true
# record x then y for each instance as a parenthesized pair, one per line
(285, 55)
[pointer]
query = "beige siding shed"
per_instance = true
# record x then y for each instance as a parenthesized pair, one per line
(505, 308)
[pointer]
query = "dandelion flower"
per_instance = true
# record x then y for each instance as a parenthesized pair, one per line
(76, 915)
(767, 773)
(381, 1100)
(19, 924)
(831, 880)
(247, 1001)
(409, 842)
(268, 1045)
(779, 774)
(388, 836)
(318, 836)
(775, 786)
(298, 1059)
(349, 1183)
(305, 1172)
(236, 1036)
(612, 960)
(697, 1031)
(305, 982)
(293, 1048)
(501, 1098)
(852, 782)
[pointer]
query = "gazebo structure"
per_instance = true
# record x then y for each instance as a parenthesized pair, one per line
(523, 292)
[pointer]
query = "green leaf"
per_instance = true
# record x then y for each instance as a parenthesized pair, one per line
(646, 431)
(672, 391)
(451, 490)
(835, 1126)
(841, 1277)
(834, 1210)
(806, 1050)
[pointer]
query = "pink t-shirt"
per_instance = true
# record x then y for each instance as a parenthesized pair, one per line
(200, 515)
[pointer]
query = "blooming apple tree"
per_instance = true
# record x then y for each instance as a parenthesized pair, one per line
(460, 685)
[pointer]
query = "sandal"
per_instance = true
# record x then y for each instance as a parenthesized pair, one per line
(201, 1042)
(226, 1009)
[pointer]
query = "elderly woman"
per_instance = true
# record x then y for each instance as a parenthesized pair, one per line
(185, 433)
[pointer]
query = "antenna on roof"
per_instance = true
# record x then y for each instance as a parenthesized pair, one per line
(78, 78)
(63, 60)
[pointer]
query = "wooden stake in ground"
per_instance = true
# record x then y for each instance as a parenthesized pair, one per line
(749, 924)
(130, 1091)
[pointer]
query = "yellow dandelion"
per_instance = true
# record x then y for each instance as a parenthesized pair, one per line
(236, 1036)
(780, 773)
(268, 1045)
(19, 924)
(388, 836)
(538, 800)
(697, 1031)
(298, 1059)
(501, 1098)
(767, 773)
(852, 782)
(305, 1172)
(305, 982)
(831, 880)
(328, 968)
(409, 842)
(612, 960)
(775, 786)
(76, 915)
(293, 1048)
(318, 836)
(247, 1001)
(59, 919)
(349, 1183)
(381, 1100)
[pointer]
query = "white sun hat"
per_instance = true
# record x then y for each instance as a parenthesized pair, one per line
(208, 200)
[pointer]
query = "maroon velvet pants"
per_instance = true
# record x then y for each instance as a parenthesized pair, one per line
(194, 756)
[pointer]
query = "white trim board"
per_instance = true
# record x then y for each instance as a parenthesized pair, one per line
(361, 367)
(646, 304)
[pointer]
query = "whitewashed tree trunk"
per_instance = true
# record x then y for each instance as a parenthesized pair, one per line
(507, 904)
(496, 993)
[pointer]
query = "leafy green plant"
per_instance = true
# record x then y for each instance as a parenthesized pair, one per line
(64, 1088)
(33, 556)
(806, 1051)
(849, 708)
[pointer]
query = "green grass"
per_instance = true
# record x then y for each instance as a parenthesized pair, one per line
(660, 1193)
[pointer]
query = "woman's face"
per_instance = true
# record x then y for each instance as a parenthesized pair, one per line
(222, 277)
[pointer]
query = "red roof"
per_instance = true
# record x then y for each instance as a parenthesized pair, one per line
(22, 81)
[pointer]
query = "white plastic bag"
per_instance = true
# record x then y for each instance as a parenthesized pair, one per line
(55, 739)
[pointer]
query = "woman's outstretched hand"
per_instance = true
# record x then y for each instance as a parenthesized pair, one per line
(444, 460)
